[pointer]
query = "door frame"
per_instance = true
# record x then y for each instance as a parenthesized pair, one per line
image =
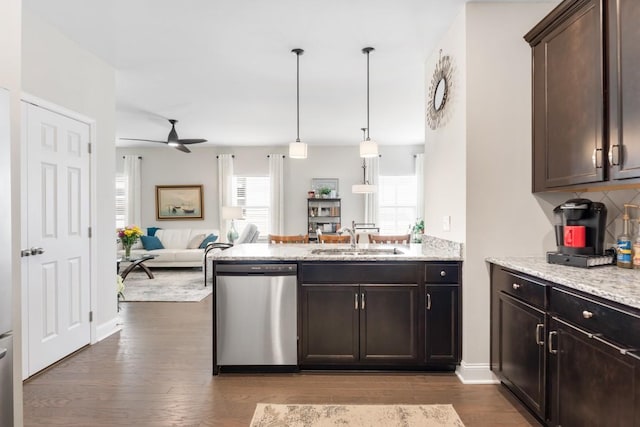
(93, 267)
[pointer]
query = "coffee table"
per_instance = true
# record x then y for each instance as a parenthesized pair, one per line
(135, 261)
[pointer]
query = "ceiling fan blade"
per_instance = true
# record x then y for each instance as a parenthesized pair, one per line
(146, 140)
(182, 148)
(191, 141)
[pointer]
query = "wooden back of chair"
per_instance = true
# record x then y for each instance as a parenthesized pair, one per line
(334, 238)
(274, 238)
(404, 239)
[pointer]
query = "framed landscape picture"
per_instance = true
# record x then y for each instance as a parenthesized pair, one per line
(179, 202)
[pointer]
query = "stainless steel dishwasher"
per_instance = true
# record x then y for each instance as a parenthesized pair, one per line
(256, 320)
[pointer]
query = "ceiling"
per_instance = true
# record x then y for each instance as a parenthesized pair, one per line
(225, 70)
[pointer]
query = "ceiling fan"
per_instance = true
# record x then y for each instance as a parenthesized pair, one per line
(172, 139)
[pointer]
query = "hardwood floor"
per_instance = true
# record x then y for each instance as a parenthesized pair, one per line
(157, 372)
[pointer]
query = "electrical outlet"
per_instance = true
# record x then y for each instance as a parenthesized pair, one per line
(446, 223)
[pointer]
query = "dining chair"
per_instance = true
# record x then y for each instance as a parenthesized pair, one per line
(333, 238)
(404, 239)
(274, 238)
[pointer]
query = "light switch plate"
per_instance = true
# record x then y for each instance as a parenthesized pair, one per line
(446, 223)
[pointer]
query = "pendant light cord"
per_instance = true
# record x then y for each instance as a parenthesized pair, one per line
(366, 51)
(298, 52)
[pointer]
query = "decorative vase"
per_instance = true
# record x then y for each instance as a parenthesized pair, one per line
(127, 250)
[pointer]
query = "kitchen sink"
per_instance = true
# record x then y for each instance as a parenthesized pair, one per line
(361, 251)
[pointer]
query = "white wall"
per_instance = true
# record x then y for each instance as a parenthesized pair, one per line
(164, 166)
(492, 155)
(445, 149)
(57, 70)
(10, 78)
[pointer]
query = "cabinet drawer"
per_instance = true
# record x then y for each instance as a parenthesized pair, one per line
(519, 286)
(442, 273)
(614, 324)
(361, 272)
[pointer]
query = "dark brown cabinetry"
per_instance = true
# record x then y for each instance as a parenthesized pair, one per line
(576, 144)
(518, 336)
(624, 88)
(374, 314)
(442, 314)
(571, 358)
(594, 379)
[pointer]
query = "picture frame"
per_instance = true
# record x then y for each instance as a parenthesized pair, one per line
(179, 202)
(331, 183)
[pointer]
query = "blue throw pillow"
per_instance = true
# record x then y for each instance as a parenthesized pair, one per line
(151, 242)
(151, 231)
(209, 239)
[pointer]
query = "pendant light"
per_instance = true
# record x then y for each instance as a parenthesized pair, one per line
(298, 150)
(365, 187)
(368, 148)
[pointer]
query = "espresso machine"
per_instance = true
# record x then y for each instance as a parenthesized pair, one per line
(580, 227)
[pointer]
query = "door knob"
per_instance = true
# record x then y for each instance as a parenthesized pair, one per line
(37, 251)
(25, 252)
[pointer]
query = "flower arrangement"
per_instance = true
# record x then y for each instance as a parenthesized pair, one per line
(417, 230)
(128, 236)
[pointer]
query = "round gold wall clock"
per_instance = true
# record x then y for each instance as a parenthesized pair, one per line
(439, 91)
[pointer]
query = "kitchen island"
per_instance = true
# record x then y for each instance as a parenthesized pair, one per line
(565, 340)
(369, 307)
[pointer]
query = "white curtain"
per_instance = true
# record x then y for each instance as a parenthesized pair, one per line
(132, 175)
(276, 200)
(419, 159)
(371, 199)
(225, 190)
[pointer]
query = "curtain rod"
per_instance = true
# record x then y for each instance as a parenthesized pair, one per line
(139, 157)
(283, 156)
(233, 156)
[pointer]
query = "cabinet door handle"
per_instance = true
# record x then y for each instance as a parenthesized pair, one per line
(614, 159)
(355, 301)
(540, 327)
(362, 300)
(595, 157)
(428, 301)
(587, 314)
(551, 349)
(515, 286)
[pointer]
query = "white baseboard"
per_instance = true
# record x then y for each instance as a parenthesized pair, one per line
(107, 329)
(476, 373)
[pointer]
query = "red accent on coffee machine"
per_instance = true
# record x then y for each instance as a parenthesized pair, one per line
(580, 227)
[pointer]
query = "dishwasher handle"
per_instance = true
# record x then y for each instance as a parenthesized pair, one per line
(256, 269)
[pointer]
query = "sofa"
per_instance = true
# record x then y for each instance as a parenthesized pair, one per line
(180, 247)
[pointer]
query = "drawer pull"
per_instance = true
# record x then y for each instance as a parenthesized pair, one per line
(587, 314)
(515, 286)
(443, 273)
(540, 327)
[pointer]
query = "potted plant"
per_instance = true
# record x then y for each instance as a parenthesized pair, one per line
(324, 192)
(417, 230)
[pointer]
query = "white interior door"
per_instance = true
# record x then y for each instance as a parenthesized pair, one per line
(57, 269)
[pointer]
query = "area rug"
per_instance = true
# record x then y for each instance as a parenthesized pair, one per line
(272, 415)
(168, 284)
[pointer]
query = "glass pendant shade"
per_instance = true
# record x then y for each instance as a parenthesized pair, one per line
(363, 188)
(368, 149)
(298, 150)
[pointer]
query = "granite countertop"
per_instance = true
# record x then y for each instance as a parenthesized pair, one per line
(431, 249)
(620, 285)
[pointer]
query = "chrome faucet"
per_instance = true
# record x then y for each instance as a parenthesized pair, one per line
(352, 236)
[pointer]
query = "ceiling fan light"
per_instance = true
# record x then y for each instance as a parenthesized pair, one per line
(297, 150)
(173, 144)
(364, 188)
(368, 149)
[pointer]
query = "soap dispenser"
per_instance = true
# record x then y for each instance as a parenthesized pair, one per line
(623, 241)
(636, 247)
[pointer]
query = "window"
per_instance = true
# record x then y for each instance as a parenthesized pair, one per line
(252, 193)
(397, 200)
(121, 200)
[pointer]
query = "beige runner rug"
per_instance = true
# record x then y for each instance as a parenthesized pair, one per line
(272, 415)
